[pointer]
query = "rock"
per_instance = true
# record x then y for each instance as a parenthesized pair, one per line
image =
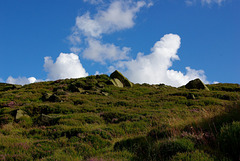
(196, 84)
(48, 120)
(191, 96)
(19, 113)
(45, 96)
(118, 77)
(105, 93)
(116, 82)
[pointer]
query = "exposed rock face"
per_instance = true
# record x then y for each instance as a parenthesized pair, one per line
(196, 84)
(119, 80)
(116, 82)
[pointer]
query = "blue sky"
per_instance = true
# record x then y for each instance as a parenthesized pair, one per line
(159, 41)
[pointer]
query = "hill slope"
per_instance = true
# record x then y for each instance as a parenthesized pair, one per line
(91, 119)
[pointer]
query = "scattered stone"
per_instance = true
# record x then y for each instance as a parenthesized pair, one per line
(19, 114)
(105, 93)
(48, 120)
(45, 96)
(196, 84)
(118, 77)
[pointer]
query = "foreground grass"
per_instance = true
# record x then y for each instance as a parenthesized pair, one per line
(89, 119)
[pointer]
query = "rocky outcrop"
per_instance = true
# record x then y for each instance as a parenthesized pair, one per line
(119, 80)
(196, 84)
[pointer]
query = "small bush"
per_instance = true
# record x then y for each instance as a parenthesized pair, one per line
(5, 119)
(96, 141)
(42, 149)
(169, 148)
(85, 150)
(160, 132)
(229, 140)
(192, 156)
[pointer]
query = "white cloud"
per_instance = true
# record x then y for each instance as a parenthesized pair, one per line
(219, 2)
(154, 68)
(101, 52)
(204, 2)
(21, 80)
(118, 16)
(66, 66)
(216, 82)
(93, 1)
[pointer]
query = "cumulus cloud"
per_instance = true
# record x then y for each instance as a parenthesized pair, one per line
(154, 68)
(66, 66)
(101, 52)
(119, 15)
(21, 80)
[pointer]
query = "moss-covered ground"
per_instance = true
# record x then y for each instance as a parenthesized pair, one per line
(90, 119)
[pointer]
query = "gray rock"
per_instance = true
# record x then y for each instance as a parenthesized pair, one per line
(196, 84)
(117, 77)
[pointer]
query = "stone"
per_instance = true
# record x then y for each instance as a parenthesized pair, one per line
(116, 82)
(48, 120)
(19, 113)
(45, 96)
(196, 84)
(117, 77)
(191, 96)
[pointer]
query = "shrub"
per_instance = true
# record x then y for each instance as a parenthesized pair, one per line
(192, 156)
(85, 150)
(169, 148)
(5, 119)
(42, 149)
(229, 140)
(160, 132)
(96, 141)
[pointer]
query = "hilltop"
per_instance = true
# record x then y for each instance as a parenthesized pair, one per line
(98, 118)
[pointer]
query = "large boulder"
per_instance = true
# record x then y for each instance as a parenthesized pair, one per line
(196, 84)
(116, 82)
(119, 80)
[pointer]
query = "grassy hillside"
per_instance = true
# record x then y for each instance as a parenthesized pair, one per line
(90, 119)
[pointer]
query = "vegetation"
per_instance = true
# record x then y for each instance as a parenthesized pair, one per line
(91, 119)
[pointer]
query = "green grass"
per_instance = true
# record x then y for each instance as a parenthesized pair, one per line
(90, 119)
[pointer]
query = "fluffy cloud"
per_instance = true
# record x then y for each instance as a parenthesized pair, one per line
(101, 52)
(66, 66)
(21, 80)
(118, 16)
(154, 68)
